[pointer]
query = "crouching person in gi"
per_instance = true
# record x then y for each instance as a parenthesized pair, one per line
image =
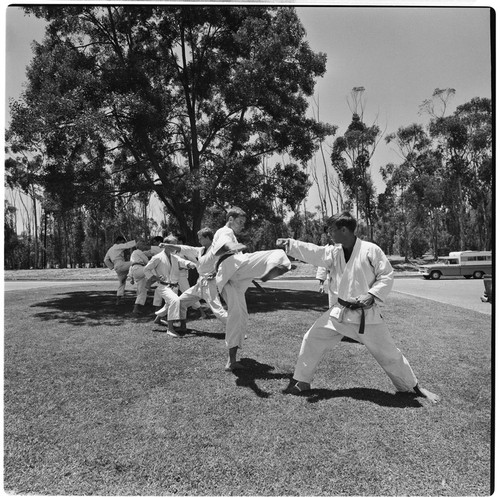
(205, 288)
(164, 267)
(235, 272)
(361, 276)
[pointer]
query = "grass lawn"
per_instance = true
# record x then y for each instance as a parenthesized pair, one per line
(99, 402)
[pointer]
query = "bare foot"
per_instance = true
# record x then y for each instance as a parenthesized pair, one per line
(422, 392)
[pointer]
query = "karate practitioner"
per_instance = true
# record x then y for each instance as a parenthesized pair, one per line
(205, 288)
(138, 259)
(115, 259)
(164, 268)
(235, 272)
(154, 250)
(184, 281)
(361, 276)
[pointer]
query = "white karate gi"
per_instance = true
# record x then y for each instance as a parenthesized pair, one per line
(184, 285)
(167, 268)
(205, 288)
(115, 259)
(234, 276)
(157, 298)
(368, 270)
(138, 260)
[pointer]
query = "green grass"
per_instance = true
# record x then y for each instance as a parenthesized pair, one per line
(99, 402)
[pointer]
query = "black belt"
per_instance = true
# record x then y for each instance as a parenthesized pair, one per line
(355, 305)
(171, 285)
(138, 264)
(222, 258)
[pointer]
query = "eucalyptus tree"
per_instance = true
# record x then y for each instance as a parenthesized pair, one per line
(464, 140)
(351, 156)
(411, 142)
(443, 186)
(180, 100)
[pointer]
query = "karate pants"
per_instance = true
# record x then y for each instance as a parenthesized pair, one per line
(251, 266)
(121, 269)
(157, 298)
(137, 272)
(183, 287)
(327, 332)
(206, 290)
(173, 308)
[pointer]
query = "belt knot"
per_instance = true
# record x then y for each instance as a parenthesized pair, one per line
(354, 306)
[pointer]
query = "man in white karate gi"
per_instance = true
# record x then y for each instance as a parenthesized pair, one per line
(184, 279)
(138, 260)
(235, 273)
(164, 268)
(115, 259)
(154, 250)
(205, 288)
(361, 276)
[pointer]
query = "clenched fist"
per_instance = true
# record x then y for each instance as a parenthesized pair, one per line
(283, 243)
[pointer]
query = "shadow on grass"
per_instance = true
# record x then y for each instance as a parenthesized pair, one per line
(97, 308)
(384, 399)
(90, 308)
(253, 371)
(191, 333)
(275, 299)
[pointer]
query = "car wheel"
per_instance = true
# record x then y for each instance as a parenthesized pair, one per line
(478, 275)
(435, 275)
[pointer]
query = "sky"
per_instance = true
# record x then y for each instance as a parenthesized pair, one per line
(398, 54)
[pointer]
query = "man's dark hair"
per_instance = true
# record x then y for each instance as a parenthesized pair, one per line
(206, 232)
(120, 239)
(343, 219)
(156, 240)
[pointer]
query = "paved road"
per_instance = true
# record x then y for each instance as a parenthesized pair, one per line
(458, 292)
(10, 286)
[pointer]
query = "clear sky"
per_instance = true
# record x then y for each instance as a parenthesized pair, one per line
(398, 54)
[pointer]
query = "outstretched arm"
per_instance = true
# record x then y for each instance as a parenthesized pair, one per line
(307, 252)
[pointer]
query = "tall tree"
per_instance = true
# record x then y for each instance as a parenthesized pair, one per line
(351, 155)
(181, 100)
(465, 143)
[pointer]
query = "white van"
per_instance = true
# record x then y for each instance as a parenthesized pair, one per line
(467, 263)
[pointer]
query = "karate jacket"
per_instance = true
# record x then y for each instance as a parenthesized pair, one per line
(205, 260)
(160, 265)
(114, 256)
(367, 271)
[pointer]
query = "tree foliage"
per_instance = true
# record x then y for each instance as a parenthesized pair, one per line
(350, 156)
(442, 190)
(183, 101)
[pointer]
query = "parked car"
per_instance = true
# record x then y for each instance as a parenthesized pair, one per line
(468, 263)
